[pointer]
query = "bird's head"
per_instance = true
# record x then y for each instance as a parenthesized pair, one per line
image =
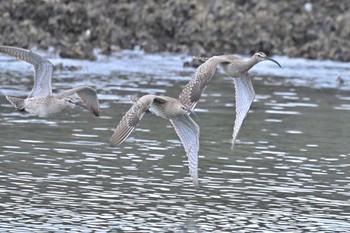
(186, 110)
(260, 56)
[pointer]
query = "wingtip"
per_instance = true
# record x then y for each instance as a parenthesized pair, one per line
(195, 180)
(111, 143)
(96, 112)
(232, 144)
(95, 107)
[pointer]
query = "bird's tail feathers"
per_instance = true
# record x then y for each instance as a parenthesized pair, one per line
(18, 103)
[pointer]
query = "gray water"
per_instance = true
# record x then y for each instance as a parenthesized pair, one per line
(289, 170)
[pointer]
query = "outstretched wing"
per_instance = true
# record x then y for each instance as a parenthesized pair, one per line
(244, 98)
(87, 94)
(43, 69)
(130, 120)
(192, 92)
(188, 132)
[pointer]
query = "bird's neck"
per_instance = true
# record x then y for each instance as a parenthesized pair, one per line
(250, 63)
(208, 68)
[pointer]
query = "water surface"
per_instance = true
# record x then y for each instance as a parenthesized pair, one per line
(289, 170)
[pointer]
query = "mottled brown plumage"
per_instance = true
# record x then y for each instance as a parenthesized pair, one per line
(167, 108)
(235, 67)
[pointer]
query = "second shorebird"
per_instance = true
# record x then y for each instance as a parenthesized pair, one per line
(40, 100)
(235, 67)
(168, 108)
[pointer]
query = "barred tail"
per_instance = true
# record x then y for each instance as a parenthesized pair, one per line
(18, 103)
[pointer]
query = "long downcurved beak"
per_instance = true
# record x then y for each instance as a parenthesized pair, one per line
(270, 59)
(194, 114)
(80, 105)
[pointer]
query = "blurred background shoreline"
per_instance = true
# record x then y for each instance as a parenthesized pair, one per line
(317, 30)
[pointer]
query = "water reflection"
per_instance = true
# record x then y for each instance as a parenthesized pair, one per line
(288, 172)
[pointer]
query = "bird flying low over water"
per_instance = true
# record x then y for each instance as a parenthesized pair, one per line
(233, 66)
(168, 108)
(40, 100)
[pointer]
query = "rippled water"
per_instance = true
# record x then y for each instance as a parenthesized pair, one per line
(289, 171)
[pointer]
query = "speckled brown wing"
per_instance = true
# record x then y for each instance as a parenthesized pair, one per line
(43, 69)
(130, 120)
(87, 94)
(192, 92)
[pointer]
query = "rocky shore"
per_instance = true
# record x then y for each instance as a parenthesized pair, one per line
(298, 28)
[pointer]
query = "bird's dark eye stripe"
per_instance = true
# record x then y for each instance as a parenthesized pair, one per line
(225, 63)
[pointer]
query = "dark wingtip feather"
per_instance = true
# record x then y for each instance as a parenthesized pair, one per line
(96, 112)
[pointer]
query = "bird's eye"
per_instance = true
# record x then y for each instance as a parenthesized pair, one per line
(184, 108)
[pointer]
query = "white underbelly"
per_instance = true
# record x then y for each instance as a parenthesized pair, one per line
(44, 107)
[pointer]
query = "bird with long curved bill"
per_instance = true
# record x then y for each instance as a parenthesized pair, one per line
(235, 67)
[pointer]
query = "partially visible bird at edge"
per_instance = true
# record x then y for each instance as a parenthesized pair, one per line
(235, 67)
(40, 100)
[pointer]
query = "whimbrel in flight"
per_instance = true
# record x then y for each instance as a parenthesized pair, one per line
(40, 100)
(235, 67)
(168, 108)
